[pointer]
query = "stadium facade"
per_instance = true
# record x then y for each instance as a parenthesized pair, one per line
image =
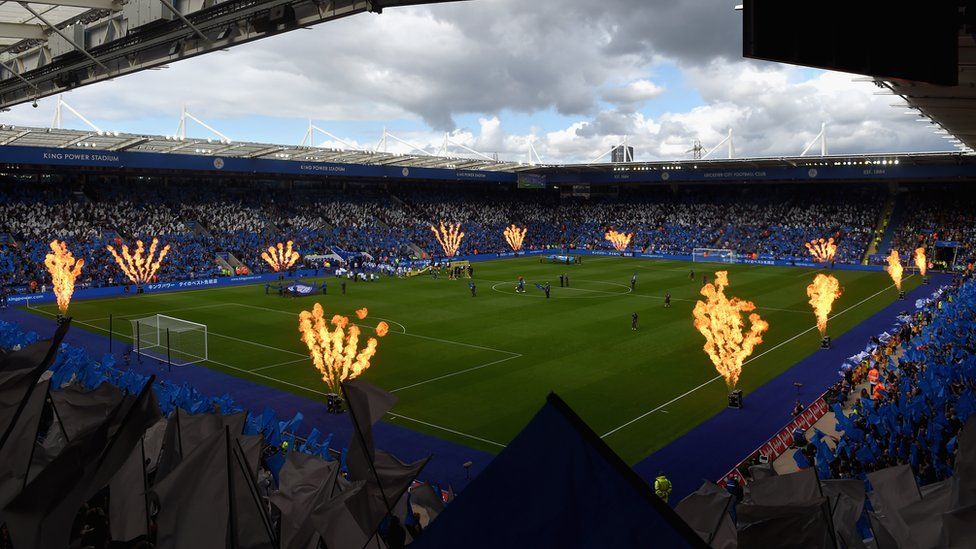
(26, 150)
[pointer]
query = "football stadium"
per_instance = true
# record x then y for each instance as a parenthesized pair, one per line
(444, 340)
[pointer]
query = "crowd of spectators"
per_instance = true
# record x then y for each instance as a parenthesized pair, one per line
(392, 223)
(922, 389)
(931, 215)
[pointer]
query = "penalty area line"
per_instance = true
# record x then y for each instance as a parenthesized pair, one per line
(307, 389)
(457, 373)
(771, 349)
(268, 367)
(302, 387)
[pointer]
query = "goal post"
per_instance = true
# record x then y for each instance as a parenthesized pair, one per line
(179, 341)
(713, 255)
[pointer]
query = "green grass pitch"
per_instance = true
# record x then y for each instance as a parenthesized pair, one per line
(474, 370)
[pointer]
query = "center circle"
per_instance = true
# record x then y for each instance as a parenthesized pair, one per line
(532, 291)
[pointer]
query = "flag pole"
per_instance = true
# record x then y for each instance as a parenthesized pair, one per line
(829, 511)
(129, 413)
(179, 432)
(145, 483)
(33, 446)
(362, 440)
(58, 416)
(232, 515)
(253, 489)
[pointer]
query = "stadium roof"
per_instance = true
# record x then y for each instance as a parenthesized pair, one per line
(118, 142)
(951, 109)
(50, 46)
(865, 159)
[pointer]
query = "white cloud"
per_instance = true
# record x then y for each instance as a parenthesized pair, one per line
(633, 94)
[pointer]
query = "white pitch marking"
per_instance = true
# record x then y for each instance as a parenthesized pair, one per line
(85, 323)
(402, 327)
(457, 373)
(446, 429)
(295, 385)
(280, 364)
(303, 388)
(279, 311)
(154, 312)
(232, 338)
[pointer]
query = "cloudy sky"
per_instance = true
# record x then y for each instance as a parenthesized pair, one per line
(573, 77)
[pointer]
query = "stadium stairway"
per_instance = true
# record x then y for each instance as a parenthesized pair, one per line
(890, 220)
(446, 467)
(714, 447)
(198, 228)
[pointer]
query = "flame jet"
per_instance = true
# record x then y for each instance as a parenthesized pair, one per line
(894, 268)
(823, 291)
(920, 261)
(822, 250)
(620, 241)
(719, 319)
(514, 236)
(334, 348)
(64, 270)
(140, 266)
(282, 257)
(449, 237)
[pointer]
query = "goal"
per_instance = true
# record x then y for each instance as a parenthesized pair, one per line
(174, 340)
(713, 255)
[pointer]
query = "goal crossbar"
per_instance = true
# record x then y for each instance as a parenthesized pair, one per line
(713, 255)
(173, 340)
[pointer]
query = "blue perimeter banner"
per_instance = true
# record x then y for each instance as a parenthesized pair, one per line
(204, 283)
(181, 285)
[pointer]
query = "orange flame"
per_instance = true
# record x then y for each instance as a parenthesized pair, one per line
(894, 268)
(282, 258)
(822, 292)
(449, 237)
(822, 250)
(920, 261)
(335, 350)
(620, 241)
(719, 319)
(382, 329)
(361, 313)
(64, 269)
(139, 267)
(514, 236)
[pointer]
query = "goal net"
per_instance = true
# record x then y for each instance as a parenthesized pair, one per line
(166, 338)
(713, 255)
